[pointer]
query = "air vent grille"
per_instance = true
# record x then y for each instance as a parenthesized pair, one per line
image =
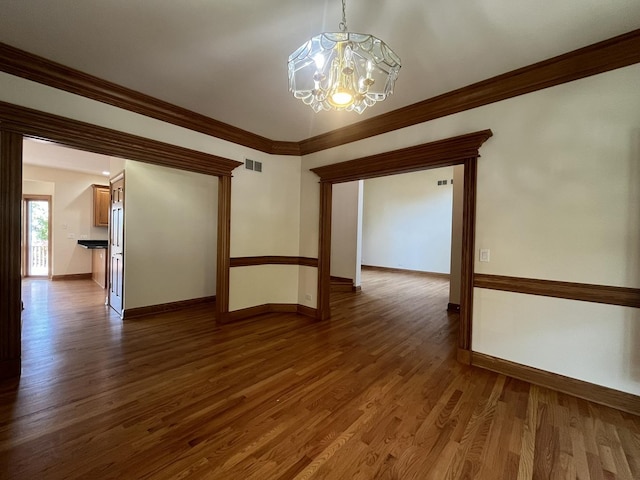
(253, 165)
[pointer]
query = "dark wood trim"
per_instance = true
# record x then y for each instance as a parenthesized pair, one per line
(324, 252)
(139, 312)
(625, 297)
(463, 356)
(442, 153)
(38, 69)
(617, 52)
(307, 311)
(251, 312)
(404, 270)
(578, 388)
(10, 253)
(342, 284)
(93, 138)
(453, 307)
(464, 150)
(16, 121)
(466, 255)
(273, 260)
(71, 276)
(223, 249)
(335, 279)
(11, 368)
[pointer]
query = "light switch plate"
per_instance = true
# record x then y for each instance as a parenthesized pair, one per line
(485, 255)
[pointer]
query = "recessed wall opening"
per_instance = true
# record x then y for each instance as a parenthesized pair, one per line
(462, 150)
(402, 224)
(180, 162)
(86, 235)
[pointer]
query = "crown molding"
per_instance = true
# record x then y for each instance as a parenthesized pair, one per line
(38, 69)
(617, 52)
(105, 141)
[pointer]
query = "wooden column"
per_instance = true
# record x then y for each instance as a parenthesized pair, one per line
(324, 252)
(467, 261)
(10, 281)
(224, 248)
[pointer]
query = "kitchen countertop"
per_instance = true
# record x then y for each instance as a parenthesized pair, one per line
(93, 244)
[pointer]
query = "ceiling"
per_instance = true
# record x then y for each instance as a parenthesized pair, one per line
(42, 153)
(227, 59)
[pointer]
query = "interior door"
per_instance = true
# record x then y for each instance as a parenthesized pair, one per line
(116, 244)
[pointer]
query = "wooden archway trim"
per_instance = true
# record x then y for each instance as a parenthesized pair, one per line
(441, 153)
(105, 141)
(17, 122)
(460, 150)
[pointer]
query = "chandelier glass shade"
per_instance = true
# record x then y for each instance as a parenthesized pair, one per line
(343, 70)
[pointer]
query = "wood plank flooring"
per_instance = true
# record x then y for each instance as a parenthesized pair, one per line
(374, 393)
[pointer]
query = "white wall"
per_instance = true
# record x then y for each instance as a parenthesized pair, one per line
(346, 229)
(249, 237)
(558, 198)
(265, 220)
(72, 214)
(407, 221)
(170, 235)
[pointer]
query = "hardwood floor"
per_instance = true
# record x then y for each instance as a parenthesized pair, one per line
(374, 393)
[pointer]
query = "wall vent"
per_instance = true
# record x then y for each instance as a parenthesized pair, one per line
(253, 165)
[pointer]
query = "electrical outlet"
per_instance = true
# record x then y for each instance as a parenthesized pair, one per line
(485, 255)
(308, 297)
(84, 237)
(71, 235)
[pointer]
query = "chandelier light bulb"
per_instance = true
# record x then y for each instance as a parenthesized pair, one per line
(341, 98)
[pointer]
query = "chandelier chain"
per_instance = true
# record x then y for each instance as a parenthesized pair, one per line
(343, 24)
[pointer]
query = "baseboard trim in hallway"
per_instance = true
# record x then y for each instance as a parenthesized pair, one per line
(588, 391)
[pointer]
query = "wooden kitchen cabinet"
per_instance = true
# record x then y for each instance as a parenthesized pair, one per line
(101, 201)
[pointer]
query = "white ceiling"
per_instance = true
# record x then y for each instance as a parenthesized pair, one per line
(50, 155)
(227, 58)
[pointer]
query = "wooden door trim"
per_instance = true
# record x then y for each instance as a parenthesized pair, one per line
(10, 230)
(223, 249)
(93, 138)
(17, 122)
(460, 150)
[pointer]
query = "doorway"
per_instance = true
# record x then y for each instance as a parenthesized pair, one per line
(36, 259)
(85, 136)
(461, 150)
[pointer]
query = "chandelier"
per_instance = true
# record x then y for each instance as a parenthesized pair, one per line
(343, 70)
